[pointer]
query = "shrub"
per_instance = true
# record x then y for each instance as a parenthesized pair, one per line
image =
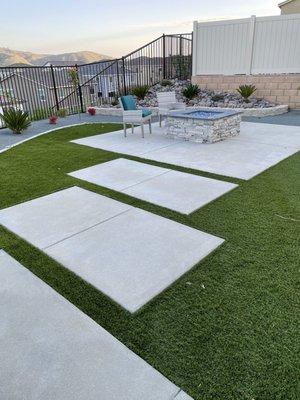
(191, 91)
(246, 91)
(140, 91)
(166, 82)
(91, 110)
(15, 120)
(62, 112)
(114, 102)
(217, 97)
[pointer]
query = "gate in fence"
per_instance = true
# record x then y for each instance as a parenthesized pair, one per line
(50, 89)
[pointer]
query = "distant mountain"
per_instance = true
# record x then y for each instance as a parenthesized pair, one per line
(14, 57)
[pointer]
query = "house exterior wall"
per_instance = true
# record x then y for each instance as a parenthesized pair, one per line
(293, 7)
(281, 88)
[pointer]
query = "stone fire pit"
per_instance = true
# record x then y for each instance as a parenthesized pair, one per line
(203, 126)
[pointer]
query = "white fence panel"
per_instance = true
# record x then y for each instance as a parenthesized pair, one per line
(245, 46)
(276, 46)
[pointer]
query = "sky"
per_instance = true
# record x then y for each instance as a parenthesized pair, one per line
(110, 27)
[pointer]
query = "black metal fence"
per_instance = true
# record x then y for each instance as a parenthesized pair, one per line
(47, 90)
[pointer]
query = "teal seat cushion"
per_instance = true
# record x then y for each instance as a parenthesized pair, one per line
(128, 102)
(146, 112)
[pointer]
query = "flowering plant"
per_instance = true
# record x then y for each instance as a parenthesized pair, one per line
(91, 111)
(53, 119)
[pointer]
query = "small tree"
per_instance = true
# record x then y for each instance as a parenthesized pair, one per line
(74, 79)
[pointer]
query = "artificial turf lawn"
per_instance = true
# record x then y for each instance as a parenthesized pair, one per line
(228, 329)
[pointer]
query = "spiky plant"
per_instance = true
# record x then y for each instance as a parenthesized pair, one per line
(140, 91)
(191, 91)
(246, 91)
(15, 120)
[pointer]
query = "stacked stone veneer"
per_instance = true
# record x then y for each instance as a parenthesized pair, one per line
(281, 88)
(203, 131)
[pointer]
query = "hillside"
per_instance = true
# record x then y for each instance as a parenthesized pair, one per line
(9, 57)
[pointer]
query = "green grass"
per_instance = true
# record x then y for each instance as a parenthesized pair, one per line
(228, 329)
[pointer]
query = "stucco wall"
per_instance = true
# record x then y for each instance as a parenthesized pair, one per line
(281, 88)
(293, 7)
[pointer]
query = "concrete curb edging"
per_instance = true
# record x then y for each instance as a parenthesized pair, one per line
(49, 131)
(247, 112)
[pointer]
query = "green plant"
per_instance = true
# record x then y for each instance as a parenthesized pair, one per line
(74, 78)
(246, 91)
(140, 91)
(62, 112)
(15, 120)
(217, 97)
(114, 102)
(166, 82)
(191, 91)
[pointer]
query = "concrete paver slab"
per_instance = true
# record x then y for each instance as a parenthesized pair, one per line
(54, 217)
(118, 174)
(134, 256)
(51, 350)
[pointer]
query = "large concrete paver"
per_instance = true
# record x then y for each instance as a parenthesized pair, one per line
(257, 148)
(52, 218)
(127, 253)
(51, 350)
(175, 190)
(119, 174)
(135, 256)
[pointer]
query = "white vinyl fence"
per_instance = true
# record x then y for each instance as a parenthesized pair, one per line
(256, 45)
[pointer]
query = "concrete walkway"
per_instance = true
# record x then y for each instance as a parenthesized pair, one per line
(51, 350)
(7, 139)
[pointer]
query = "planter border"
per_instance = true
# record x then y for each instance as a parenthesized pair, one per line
(247, 112)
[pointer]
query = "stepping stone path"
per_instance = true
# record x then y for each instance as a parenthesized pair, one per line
(129, 254)
(51, 350)
(176, 190)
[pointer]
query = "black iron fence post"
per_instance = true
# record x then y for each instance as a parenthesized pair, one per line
(54, 88)
(164, 56)
(79, 91)
(124, 75)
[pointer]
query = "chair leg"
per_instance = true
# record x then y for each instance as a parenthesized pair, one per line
(150, 126)
(160, 119)
(132, 128)
(124, 125)
(142, 128)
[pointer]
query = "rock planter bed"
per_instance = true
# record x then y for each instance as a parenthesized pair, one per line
(206, 99)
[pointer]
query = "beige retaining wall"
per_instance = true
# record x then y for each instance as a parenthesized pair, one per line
(281, 88)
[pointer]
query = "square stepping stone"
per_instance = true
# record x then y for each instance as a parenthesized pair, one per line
(52, 218)
(134, 256)
(175, 190)
(118, 174)
(52, 350)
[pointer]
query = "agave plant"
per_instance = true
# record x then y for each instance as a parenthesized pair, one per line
(191, 91)
(140, 91)
(246, 91)
(15, 120)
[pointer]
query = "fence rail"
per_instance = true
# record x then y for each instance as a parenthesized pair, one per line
(49, 89)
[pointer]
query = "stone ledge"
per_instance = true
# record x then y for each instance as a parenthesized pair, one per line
(247, 112)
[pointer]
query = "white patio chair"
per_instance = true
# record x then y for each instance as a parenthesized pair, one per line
(131, 115)
(167, 103)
